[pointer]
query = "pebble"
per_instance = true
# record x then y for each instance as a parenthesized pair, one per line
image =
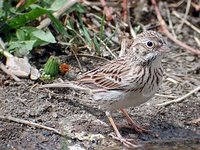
(34, 74)
(190, 58)
(54, 114)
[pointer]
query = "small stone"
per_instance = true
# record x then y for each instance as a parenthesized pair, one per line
(190, 58)
(35, 74)
(168, 70)
(76, 147)
(54, 114)
(18, 66)
(133, 136)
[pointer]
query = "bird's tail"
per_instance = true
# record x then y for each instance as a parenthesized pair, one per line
(70, 85)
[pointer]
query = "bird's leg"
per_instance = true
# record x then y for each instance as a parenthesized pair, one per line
(133, 125)
(126, 142)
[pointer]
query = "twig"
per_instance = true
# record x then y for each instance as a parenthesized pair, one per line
(133, 34)
(77, 34)
(181, 98)
(29, 123)
(99, 18)
(92, 56)
(123, 47)
(186, 22)
(79, 64)
(168, 34)
(124, 5)
(170, 20)
(172, 80)
(20, 3)
(3, 67)
(91, 3)
(31, 89)
(194, 121)
(57, 14)
(185, 16)
(197, 41)
(71, 48)
(107, 10)
(176, 4)
(107, 48)
(166, 96)
(86, 42)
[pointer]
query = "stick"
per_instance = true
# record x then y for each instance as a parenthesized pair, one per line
(197, 41)
(29, 123)
(8, 72)
(166, 96)
(186, 22)
(123, 47)
(185, 16)
(124, 5)
(79, 64)
(169, 35)
(181, 98)
(107, 48)
(57, 14)
(170, 20)
(92, 56)
(194, 121)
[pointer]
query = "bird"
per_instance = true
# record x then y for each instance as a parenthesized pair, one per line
(127, 81)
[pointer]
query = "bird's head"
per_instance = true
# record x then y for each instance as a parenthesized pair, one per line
(149, 47)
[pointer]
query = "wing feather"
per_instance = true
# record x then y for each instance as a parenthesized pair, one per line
(109, 76)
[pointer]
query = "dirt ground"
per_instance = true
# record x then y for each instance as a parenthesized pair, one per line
(88, 128)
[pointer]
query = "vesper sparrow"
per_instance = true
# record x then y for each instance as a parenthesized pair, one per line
(127, 81)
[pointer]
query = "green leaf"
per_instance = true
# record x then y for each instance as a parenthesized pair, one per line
(77, 8)
(25, 18)
(30, 37)
(21, 47)
(96, 45)
(102, 27)
(85, 31)
(87, 36)
(70, 29)
(56, 23)
(21, 35)
(57, 4)
(44, 36)
(108, 39)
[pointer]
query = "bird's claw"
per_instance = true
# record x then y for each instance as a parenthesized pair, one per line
(140, 129)
(129, 143)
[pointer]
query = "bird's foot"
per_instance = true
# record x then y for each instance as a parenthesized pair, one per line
(129, 143)
(132, 124)
(139, 129)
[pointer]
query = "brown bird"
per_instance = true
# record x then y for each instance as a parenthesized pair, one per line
(127, 81)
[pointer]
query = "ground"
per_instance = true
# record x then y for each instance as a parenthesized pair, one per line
(171, 126)
(63, 110)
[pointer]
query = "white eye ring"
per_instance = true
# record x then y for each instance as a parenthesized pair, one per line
(149, 44)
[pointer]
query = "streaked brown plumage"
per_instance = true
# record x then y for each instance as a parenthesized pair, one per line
(129, 80)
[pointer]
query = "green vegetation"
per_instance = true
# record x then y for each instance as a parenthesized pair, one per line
(21, 31)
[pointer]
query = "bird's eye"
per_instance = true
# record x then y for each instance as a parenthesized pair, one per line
(149, 44)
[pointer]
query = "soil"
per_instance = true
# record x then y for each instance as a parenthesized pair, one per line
(87, 127)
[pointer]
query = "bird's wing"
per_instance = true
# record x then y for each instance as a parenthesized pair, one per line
(115, 75)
